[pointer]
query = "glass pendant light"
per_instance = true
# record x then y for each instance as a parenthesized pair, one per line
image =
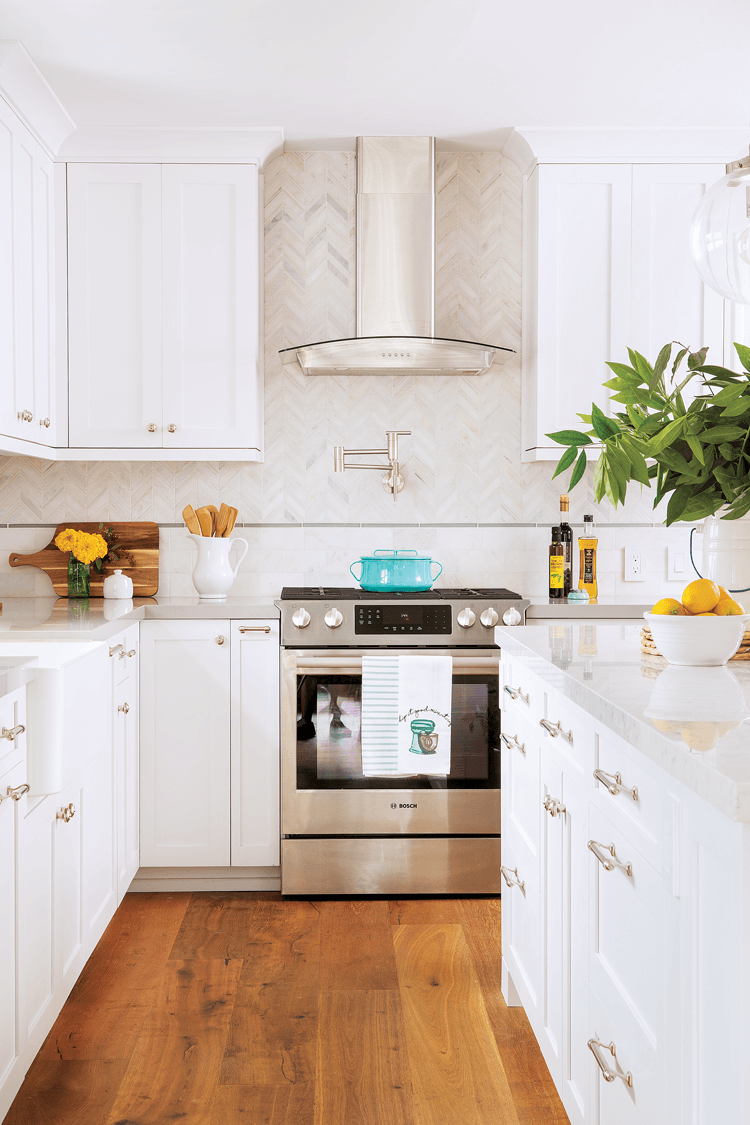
(720, 234)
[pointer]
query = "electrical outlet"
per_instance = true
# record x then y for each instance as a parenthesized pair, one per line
(633, 566)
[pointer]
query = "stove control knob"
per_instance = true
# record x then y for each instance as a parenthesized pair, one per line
(512, 616)
(333, 618)
(301, 618)
(489, 618)
(466, 618)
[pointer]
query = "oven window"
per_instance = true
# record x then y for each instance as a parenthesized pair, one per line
(329, 746)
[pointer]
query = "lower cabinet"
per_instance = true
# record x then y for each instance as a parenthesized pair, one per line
(209, 758)
(624, 932)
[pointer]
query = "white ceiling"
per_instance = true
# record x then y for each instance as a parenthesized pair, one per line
(327, 70)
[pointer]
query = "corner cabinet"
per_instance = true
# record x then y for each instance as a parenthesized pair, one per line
(164, 310)
(607, 266)
(210, 743)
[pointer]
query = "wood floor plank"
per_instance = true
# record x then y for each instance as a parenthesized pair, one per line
(67, 1093)
(272, 1038)
(105, 1012)
(356, 947)
(174, 1070)
(362, 1073)
(251, 1105)
(457, 1074)
(217, 923)
(422, 911)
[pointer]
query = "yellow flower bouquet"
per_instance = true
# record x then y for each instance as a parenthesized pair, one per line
(85, 547)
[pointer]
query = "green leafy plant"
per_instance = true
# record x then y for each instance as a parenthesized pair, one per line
(700, 451)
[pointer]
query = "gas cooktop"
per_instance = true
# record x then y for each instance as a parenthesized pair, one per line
(352, 593)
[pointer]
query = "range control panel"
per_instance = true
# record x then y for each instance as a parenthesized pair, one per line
(415, 620)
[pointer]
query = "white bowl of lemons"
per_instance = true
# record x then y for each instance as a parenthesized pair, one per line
(704, 630)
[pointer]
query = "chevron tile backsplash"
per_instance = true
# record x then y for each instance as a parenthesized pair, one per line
(462, 464)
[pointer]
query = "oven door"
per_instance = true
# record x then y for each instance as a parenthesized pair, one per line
(324, 789)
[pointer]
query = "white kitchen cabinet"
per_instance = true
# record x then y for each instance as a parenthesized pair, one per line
(9, 1041)
(255, 743)
(607, 266)
(185, 740)
(27, 276)
(124, 709)
(164, 308)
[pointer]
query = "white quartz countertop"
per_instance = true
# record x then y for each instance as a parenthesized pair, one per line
(15, 671)
(98, 619)
(692, 722)
(545, 608)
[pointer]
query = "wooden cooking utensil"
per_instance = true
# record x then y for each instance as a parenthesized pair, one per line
(191, 520)
(222, 520)
(233, 513)
(214, 513)
(204, 519)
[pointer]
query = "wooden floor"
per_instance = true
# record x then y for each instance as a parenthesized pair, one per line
(243, 1009)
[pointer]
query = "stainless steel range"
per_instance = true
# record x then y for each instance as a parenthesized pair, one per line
(347, 833)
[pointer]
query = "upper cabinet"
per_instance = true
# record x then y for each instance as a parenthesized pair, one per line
(164, 309)
(607, 266)
(27, 338)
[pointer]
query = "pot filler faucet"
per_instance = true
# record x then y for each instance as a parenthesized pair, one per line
(392, 481)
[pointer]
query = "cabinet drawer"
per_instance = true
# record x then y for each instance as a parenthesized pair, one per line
(126, 657)
(520, 783)
(521, 926)
(636, 1098)
(628, 793)
(520, 690)
(565, 727)
(12, 715)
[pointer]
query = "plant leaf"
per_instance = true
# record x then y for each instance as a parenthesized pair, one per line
(722, 433)
(604, 427)
(744, 354)
(677, 504)
(599, 478)
(566, 460)
(578, 471)
(660, 366)
(697, 359)
(678, 359)
(696, 447)
(569, 437)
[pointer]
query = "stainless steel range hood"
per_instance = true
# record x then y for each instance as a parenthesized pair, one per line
(395, 275)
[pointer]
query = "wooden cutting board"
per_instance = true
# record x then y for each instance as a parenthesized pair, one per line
(141, 540)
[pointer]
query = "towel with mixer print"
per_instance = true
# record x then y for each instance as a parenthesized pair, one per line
(424, 709)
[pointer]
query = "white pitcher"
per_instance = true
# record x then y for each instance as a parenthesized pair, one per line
(213, 574)
(725, 556)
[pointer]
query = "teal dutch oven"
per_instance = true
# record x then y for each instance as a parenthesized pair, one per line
(396, 570)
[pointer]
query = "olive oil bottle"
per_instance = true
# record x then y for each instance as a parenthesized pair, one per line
(566, 538)
(587, 544)
(556, 565)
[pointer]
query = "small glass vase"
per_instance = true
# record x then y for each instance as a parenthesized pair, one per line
(79, 578)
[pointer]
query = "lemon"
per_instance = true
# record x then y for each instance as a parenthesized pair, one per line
(700, 596)
(670, 606)
(724, 728)
(666, 725)
(727, 606)
(700, 736)
(710, 613)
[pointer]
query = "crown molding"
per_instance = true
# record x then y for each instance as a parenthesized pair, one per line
(532, 144)
(29, 94)
(173, 146)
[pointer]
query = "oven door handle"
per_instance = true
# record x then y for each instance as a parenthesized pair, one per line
(352, 664)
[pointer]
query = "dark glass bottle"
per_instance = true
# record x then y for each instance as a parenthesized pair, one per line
(566, 538)
(556, 566)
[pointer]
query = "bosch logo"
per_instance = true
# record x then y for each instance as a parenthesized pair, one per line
(407, 806)
(393, 806)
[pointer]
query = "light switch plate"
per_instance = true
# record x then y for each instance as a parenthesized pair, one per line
(678, 565)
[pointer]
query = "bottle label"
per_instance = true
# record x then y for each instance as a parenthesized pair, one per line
(588, 565)
(556, 572)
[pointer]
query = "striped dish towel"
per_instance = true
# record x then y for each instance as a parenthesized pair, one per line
(379, 715)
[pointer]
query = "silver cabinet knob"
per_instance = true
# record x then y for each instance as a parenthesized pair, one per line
(67, 812)
(220, 640)
(171, 428)
(17, 793)
(45, 422)
(124, 708)
(151, 427)
(25, 416)
(13, 733)
(333, 618)
(301, 618)
(489, 618)
(466, 618)
(512, 616)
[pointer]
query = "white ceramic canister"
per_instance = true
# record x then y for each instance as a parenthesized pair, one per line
(117, 585)
(725, 556)
(213, 573)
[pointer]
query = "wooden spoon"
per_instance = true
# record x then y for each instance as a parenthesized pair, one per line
(222, 520)
(214, 513)
(233, 513)
(190, 518)
(204, 519)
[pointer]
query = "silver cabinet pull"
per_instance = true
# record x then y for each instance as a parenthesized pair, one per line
(67, 812)
(13, 733)
(25, 416)
(124, 708)
(516, 693)
(555, 729)
(254, 629)
(123, 654)
(117, 648)
(553, 806)
(607, 857)
(609, 1074)
(513, 742)
(45, 422)
(15, 794)
(511, 878)
(151, 427)
(612, 782)
(220, 640)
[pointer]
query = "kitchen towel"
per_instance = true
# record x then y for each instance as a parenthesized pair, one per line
(424, 714)
(379, 715)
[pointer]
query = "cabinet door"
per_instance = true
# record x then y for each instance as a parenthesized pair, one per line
(669, 301)
(114, 301)
(211, 306)
(576, 301)
(125, 720)
(36, 915)
(551, 881)
(9, 1045)
(184, 768)
(255, 743)
(577, 875)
